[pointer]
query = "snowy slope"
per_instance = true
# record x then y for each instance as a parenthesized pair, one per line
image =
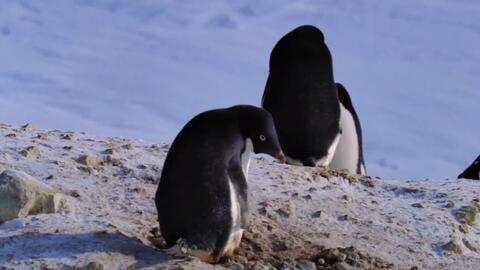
(295, 213)
(143, 68)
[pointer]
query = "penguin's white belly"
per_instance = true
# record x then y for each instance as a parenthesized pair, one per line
(324, 161)
(347, 153)
(236, 231)
(246, 157)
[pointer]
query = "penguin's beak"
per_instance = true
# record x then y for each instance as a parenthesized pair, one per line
(281, 157)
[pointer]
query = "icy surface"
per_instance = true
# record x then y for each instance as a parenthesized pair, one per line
(143, 68)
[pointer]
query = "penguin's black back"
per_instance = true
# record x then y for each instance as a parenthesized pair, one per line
(300, 94)
(346, 101)
(193, 197)
(472, 172)
(185, 202)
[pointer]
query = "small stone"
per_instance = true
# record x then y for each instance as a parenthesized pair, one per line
(68, 147)
(236, 266)
(321, 261)
(74, 193)
(317, 214)
(284, 212)
(342, 266)
(347, 198)
(28, 126)
(90, 161)
(114, 161)
(67, 136)
(127, 146)
(467, 214)
(452, 246)
(333, 255)
(449, 204)
(31, 151)
(463, 228)
(150, 178)
(142, 167)
(109, 151)
(305, 265)
(417, 205)
(94, 266)
(11, 135)
(344, 218)
(42, 136)
(88, 170)
(307, 197)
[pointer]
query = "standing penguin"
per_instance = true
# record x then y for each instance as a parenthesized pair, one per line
(202, 195)
(349, 152)
(302, 97)
(473, 171)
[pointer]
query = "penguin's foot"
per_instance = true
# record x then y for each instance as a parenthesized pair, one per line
(233, 242)
(182, 249)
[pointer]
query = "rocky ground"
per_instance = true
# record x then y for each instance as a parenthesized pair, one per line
(301, 218)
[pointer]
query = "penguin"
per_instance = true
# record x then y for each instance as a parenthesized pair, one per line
(472, 172)
(202, 194)
(301, 95)
(349, 152)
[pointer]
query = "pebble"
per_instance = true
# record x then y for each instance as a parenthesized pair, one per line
(305, 265)
(31, 151)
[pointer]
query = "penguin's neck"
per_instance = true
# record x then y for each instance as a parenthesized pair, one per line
(245, 157)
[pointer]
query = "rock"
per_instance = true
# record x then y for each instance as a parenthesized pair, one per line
(317, 214)
(453, 246)
(347, 198)
(109, 151)
(463, 228)
(90, 161)
(343, 266)
(22, 195)
(333, 255)
(114, 161)
(127, 146)
(305, 265)
(67, 136)
(449, 204)
(284, 212)
(11, 135)
(42, 136)
(471, 246)
(28, 126)
(417, 205)
(94, 266)
(467, 214)
(31, 151)
(262, 266)
(236, 266)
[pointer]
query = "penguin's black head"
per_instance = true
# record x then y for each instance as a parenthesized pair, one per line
(257, 125)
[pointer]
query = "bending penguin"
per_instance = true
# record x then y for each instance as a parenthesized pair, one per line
(473, 171)
(201, 199)
(349, 152)
(301, 95)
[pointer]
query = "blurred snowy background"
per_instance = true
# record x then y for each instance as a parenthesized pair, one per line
(143, 68)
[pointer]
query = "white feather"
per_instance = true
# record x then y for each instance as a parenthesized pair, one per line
(347, 153)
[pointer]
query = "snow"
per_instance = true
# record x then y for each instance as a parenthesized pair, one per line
(143, 68)
(110, 210)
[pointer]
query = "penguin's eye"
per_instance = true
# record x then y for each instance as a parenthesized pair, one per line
(263, 138)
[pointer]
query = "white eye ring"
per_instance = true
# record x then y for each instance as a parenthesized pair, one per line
(262, 138)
